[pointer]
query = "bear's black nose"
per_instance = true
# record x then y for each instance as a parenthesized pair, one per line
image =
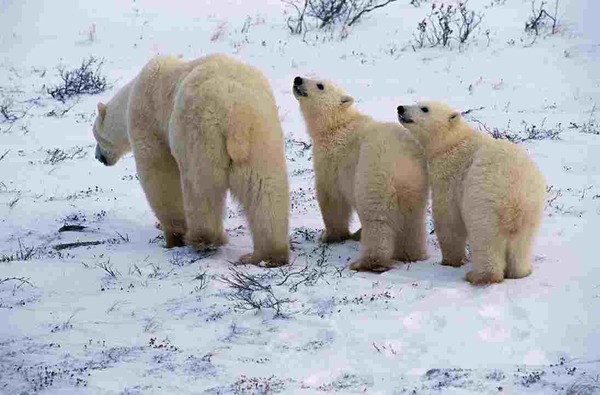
(100, 156)
(102, 159)
(400, 110)
(298, 81)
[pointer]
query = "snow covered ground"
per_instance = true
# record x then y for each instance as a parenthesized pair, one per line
(129, 317)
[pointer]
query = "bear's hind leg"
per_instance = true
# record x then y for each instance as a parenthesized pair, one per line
(518, 255)
(489, 256)
(264, 196)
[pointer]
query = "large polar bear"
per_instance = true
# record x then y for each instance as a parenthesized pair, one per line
(484, 190)
(373, 167)
(197, 129)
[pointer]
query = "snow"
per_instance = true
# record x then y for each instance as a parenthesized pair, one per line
(155, 327)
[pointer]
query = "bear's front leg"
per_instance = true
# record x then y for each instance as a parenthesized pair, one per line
(356, 235)
(451, 233)
(336, 212)
(174, 239)
(271, 260)
(204, 202)
(377, 240)
(159, 177)
(204, 191)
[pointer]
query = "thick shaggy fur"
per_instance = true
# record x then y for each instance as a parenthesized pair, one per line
(376, 168)
(485, 190)
(196, 130)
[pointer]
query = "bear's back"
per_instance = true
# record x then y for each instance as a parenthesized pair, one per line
(227, 68)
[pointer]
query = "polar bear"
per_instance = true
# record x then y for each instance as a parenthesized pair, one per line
(485, 190)
(197, 129)
(373, 167)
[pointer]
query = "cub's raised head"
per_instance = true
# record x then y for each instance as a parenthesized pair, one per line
(321, 102)
(430, 122)
(110, 134)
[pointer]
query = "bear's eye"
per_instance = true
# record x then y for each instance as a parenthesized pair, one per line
(424, 109)
(320, 86)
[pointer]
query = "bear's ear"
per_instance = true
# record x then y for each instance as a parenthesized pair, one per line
(102, 110)
(453, 117)
(346, 101)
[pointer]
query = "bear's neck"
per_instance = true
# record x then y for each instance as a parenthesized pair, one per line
(460, 136)
(117, 107)
(325, 130)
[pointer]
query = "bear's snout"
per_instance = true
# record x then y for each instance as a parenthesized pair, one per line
(299, 88)
(402, 116)
(100, 156)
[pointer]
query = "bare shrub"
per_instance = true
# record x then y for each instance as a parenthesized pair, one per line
(219, 32)
(56, 155)
(317, 268)
(436, 29)
(258, 385)
(535, 132)
(84, 80)
(360, 8)
(253, 292)
(329, 13)
(180, 259)
(446, 23)
(20, 280)
(109, 269)
(468, 21)
(420, 38)
(152, 325)
(540, 18)
(61, 110)
(67, 324)
(441, 26)
(297, 23)
(296, 149)
(590, 126)
(9, 113)
(417, 3)
(12, 203)
(22, 254)
(302, 234)
(530, 132)
(203, 278)
(585, 386)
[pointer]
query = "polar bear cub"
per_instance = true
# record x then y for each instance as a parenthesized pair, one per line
(197, 129)
(373, 167)
(485, 190)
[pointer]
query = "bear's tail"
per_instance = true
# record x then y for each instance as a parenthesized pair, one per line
(242, 121)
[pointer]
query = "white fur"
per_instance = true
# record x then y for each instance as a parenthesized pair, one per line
(198, 129)
(375, 168)
(484, 190)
